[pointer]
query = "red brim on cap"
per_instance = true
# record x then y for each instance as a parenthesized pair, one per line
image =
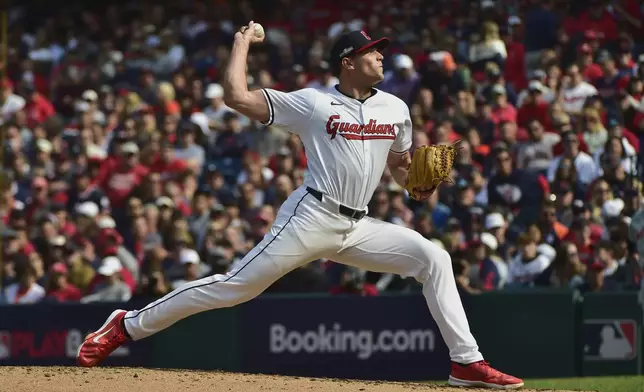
(378, 44)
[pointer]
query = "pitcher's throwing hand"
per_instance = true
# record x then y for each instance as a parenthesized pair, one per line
(252, 33)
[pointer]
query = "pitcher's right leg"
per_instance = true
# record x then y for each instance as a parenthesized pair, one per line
(279, 252)
(384, 247)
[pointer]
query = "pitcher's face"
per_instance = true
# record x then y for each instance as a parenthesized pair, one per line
(367, 67)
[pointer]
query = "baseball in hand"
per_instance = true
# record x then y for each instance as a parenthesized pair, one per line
(259, 30)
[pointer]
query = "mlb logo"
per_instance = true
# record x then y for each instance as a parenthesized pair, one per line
(609, 340)
(5, 345)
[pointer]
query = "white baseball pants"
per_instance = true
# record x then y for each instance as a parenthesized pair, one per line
(307, 229)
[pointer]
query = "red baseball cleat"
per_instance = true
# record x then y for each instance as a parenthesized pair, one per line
(481, 374)
(100, 344)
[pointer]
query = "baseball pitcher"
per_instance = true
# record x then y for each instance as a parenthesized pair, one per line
(349, 133)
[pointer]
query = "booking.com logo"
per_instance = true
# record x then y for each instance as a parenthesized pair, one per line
(336, 340)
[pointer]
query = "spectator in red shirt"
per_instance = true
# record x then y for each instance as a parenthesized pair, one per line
(533, 107)
(167, 165)
(40, 197)
(589, 69)
(65, 226)
(502, 110)
(166, 96)
(514, 69)
(597, 18)
(59, 288)
(120, 176)
(580, 234)
(38, 107)
(594, 39)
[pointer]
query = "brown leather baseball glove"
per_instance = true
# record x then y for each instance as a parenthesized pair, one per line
(430, 166)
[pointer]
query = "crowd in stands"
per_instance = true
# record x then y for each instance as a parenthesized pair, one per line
(125, 175)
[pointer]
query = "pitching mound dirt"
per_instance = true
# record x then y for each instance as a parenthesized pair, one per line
(72, 379)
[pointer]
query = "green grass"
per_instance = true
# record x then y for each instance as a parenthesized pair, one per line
(601, 384)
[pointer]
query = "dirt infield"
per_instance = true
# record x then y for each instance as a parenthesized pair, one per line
(72, 379)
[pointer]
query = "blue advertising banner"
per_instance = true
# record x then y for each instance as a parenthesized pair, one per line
(48, 334)
(378, 338)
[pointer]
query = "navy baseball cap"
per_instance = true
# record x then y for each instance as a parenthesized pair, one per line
(352, 43)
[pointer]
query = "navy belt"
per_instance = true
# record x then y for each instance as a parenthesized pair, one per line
(344, 210)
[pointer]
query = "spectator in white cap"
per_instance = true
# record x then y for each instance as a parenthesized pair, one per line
(217, 108)
(612, 208)
(95, 152)
(86, 214)
(493, 272)
(536, 86)
(402, 81)
(90, 104)
(111, 288)
(190, 261)
(90, 96)
(88, 209)
(165, 201)
(496, 225)
(106, 222)
(129, 148)
(57, 249)
(44, 149)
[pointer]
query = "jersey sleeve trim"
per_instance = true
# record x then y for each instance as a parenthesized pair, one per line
(271, 109)
(398, 152)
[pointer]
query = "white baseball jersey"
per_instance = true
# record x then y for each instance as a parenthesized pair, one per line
(575, 97)
(347, 141)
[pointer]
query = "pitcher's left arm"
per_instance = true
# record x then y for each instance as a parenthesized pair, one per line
(399, 157)
(399, 164)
